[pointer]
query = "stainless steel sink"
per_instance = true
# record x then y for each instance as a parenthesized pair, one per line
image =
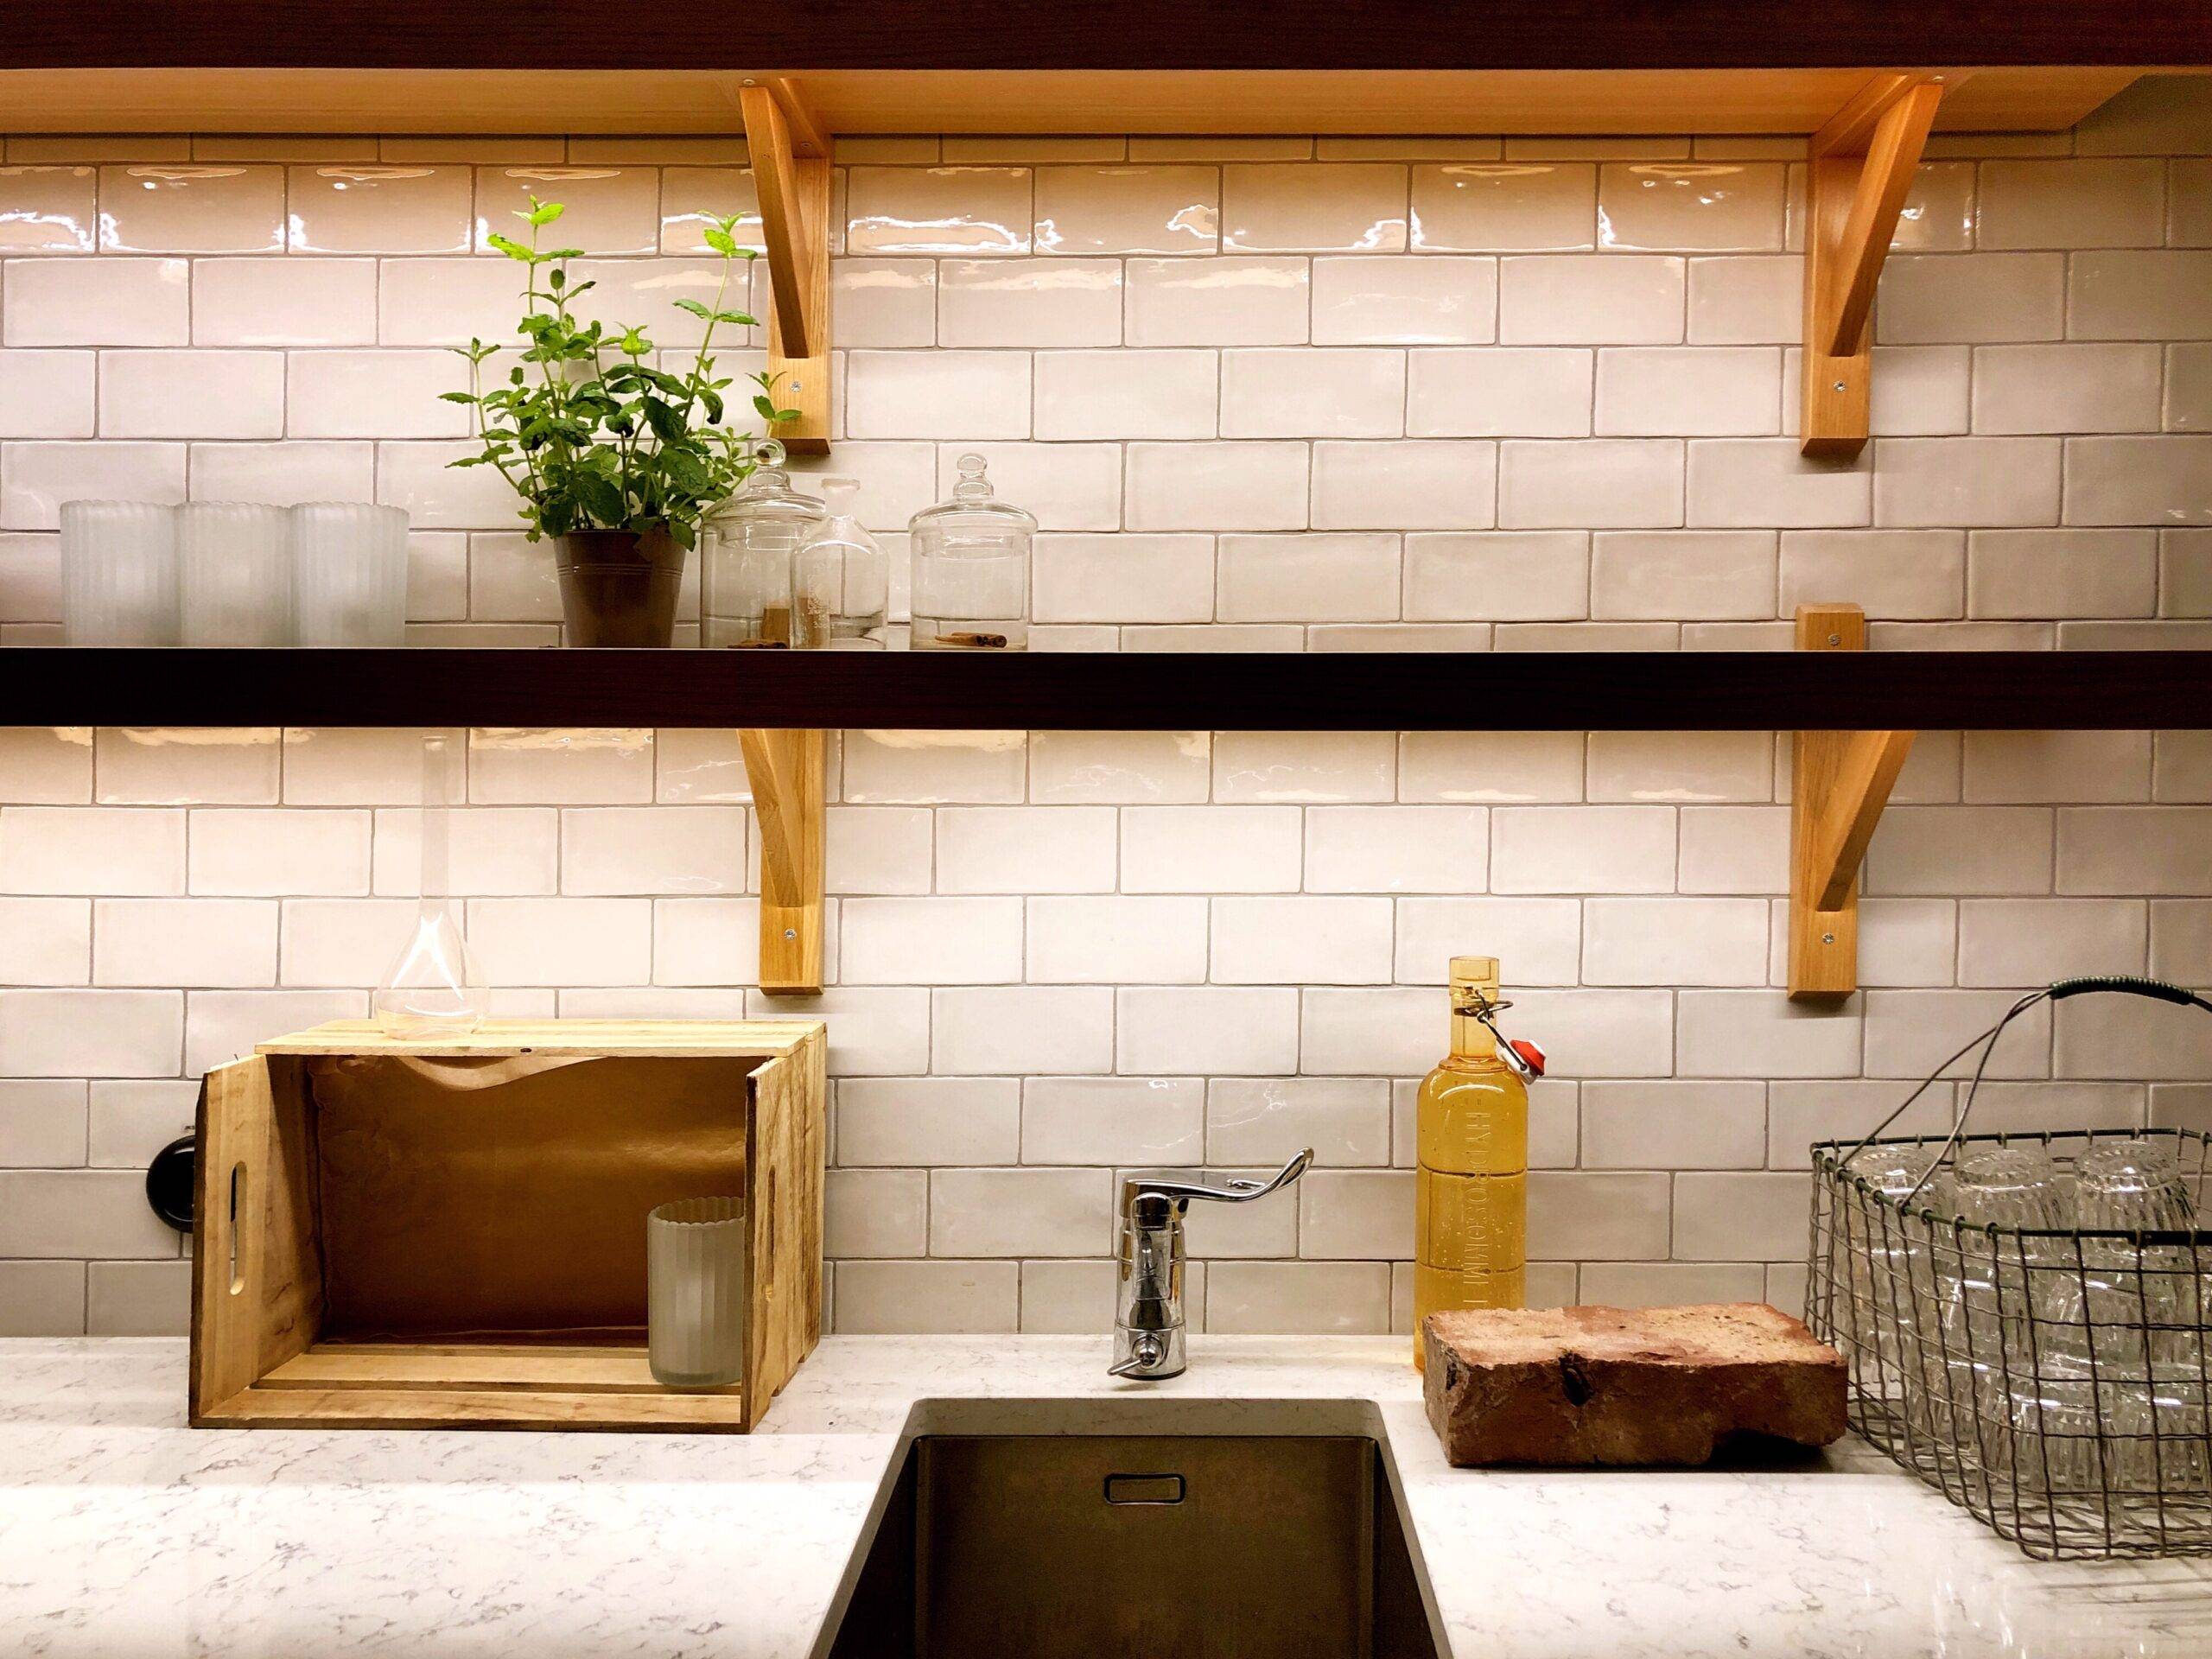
(1229, 1545)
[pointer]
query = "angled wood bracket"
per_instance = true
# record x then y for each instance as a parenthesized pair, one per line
(791, 170)
(1841, 781)
(787, 769)
(1862, 168)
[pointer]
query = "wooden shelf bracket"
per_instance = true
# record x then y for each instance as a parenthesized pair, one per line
(790, 149)
(1841, 781)
(786, 767)
(1861, 169)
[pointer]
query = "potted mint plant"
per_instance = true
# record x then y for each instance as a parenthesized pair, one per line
(614, 457)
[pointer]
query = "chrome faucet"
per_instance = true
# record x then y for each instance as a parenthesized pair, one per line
(1148, 1299)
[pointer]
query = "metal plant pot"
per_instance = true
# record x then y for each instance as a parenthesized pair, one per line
(619, 587)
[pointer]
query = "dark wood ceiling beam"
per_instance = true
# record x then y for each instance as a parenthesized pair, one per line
(1130, 34)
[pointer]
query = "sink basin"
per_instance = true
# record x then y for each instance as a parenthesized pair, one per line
(1105, 1544)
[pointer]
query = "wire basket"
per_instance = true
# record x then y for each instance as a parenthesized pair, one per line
(2053, 1382)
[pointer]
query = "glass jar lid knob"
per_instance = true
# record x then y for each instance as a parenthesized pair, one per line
(973, 486)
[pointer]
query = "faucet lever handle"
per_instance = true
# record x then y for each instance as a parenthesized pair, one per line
(1235, 1190)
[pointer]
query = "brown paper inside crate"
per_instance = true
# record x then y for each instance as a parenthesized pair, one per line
(492, 1200)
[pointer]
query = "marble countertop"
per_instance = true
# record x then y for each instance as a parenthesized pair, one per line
(123, 1535)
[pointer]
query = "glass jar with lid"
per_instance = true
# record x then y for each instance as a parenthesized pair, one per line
(971, 568)
(841, 580)
(745, 590)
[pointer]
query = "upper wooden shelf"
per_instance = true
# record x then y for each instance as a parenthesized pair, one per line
(861, 101)
(988, 66)
(1043, 690)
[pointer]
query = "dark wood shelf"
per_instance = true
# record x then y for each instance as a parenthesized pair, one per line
(1044, 691)
(1148, 35)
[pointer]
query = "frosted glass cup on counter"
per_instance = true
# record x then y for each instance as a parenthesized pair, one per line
(695, 1292)
(349, 574)
(234, 573)
(119, 574)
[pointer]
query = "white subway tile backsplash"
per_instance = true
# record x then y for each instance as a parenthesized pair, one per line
(1029, 302)
(114, 1034)
(1504, 207)
(1256, 300)
(1537, 940)
(1505, 391)
(1127, 209)
(1319, 767)
(1310, 577)
(901, 1298)
(2140, 293)
(1556, 300)
(1263, 1121)
(1688, 392)
(606, 209)
(2138, 480)
(1141, 1121)
(1302, 941)
(1022, 849)
(1295, 392)
(1664, 941)
(1593, 850)
(1352, 207)
(36, 478)
(1219, 849)
(938, 210)
(1668, 574)
(922, 1121)
(993, 1031)
(2025, 572)
(563, 940)
(189, 942)
(938, 395)
(1113, 939)
(1669, 1124)
(1766, 481)
(156, 208)
(1705, 207)
(1205, 1030)
(1379, 300)
(1217, 486)
(1114, 948)
(48, 209)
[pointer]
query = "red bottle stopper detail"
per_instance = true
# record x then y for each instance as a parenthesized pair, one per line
(1531, 1056)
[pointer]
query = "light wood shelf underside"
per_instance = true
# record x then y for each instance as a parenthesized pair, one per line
(858, 101)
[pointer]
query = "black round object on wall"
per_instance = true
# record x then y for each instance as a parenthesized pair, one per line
(169, 1182)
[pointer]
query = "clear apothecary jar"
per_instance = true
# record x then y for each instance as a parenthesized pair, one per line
(841, 580)
(971, 568)
(745, 586)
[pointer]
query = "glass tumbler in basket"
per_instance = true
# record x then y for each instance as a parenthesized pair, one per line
(2005, 1324)
(1891, 1282)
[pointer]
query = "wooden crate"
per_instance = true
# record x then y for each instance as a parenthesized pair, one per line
(451, 1232)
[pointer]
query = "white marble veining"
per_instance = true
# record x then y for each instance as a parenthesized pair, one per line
(125, 1535)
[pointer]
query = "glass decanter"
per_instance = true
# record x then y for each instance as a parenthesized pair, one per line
(434, 988)
(745, 591)
(841, 580)
(971, 568)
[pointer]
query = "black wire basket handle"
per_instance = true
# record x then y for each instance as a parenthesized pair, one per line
(2125, 984)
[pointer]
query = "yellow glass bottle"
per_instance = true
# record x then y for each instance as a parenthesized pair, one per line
(1471, 1204)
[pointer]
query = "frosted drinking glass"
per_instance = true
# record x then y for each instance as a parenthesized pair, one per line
(695, 1292)
(119, 574)
(349, 574)
(234, 573)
